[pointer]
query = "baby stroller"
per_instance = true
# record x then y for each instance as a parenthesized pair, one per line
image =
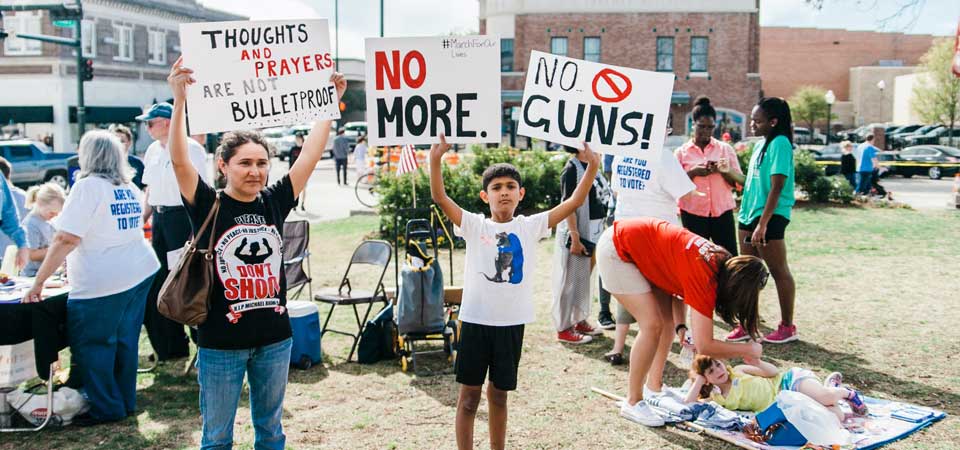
(421, 314)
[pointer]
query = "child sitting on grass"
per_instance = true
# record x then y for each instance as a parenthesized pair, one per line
(754, 386)
(497, 285)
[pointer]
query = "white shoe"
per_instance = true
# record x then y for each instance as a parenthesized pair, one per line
(641, 413)
(650, 393)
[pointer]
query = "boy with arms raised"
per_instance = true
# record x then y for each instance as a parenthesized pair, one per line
(498, 286)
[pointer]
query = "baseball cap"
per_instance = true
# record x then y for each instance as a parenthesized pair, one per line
(160, 110)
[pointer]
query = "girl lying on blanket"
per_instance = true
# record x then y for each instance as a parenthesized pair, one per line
(754, 386)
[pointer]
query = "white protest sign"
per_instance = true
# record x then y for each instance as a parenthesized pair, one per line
(256, 74)
(419, 88)
(617, 110)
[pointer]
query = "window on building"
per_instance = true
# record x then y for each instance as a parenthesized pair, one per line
(558, 46)
(89, 38)
(665, 54)
(698, 53)
(506, 55)
(23, 22)
(591, 49)
(157, 46)
(123, 34)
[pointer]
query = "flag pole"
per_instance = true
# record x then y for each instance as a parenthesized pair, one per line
(413, 182)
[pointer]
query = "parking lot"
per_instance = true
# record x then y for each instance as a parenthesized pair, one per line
(921, 193)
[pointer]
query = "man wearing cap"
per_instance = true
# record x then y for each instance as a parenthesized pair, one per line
(171, 225)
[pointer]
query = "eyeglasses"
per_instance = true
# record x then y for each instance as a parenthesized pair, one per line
(763, 281)
(706, 127)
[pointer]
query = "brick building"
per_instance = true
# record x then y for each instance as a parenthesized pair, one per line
(711, 47)
(851, 63)
(132, 44)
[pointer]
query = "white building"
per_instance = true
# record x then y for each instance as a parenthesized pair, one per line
(132, 44)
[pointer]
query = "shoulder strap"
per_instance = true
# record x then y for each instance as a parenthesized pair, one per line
(214, 212)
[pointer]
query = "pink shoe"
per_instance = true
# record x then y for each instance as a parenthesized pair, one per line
(738, 335)
(783, 334)
(584, 327)
(570, 336)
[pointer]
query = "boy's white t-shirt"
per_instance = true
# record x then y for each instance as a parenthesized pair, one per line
(658, 199)
(499, 268)
(113, 255)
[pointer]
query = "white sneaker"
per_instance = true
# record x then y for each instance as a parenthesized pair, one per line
(641, 413)
(650, 393)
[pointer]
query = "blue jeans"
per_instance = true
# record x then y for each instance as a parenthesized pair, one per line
(864, 182)
(220, 374)
(104, 336)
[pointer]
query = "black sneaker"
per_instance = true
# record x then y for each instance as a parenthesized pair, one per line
(606, 321)
(615, 359)
(87, 420)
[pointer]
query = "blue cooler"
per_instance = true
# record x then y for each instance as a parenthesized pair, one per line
(305, 323)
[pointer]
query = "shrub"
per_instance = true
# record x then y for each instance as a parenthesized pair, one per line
(539, 170)
(819, 190)
(840, 189)
(806, 174)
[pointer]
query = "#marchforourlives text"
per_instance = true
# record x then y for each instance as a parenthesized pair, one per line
(128, 206)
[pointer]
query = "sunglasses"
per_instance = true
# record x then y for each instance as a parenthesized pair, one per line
(763, 281)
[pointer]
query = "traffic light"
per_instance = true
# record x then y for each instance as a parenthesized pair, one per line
(86, 69)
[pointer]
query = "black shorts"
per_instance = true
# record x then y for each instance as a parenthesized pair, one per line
(482, 347)
(776, 228)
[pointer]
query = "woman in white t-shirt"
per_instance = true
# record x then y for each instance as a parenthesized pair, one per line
(110, 267)
(656, 198)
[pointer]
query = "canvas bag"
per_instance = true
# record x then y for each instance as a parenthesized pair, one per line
(185, 294)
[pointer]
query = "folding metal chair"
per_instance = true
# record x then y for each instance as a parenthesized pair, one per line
(374, 253)
(296, 252)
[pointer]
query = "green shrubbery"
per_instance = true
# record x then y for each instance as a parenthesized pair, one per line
(539, 170)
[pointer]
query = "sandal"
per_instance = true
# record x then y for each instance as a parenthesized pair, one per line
(615, 359)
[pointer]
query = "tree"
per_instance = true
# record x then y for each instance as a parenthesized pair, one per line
(808, 106)
(936, 93)
(907, 11)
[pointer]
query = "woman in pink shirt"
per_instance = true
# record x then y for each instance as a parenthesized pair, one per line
(713, 167)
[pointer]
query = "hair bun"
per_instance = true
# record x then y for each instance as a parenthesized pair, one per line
(702, 100)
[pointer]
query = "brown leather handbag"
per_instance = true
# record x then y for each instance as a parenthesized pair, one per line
(185, 295)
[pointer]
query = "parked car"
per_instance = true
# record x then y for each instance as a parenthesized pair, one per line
(898, 139)
(830, 155)
(290, 139)
(906, 129)
(34, 163)
(932, 137)
(934, 161)
(803, 136)
(276, 137)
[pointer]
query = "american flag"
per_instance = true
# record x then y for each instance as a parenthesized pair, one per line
(408, 160)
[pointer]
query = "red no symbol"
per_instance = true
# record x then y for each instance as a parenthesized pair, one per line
(609, 76)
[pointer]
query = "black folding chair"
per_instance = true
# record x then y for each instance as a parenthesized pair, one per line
(296, 253)
(374, 253)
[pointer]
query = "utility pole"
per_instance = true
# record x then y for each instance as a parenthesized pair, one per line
(336, 32)
(381, 20)
(61, 11)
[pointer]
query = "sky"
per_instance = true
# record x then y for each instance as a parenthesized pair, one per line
(360, 18)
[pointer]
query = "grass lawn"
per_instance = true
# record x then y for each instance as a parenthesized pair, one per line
(878, 293)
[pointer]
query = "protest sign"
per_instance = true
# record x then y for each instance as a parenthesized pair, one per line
(256, 74)
(424, 87)
(617, 110)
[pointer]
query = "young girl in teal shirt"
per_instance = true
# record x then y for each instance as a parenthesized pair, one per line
(766, 205)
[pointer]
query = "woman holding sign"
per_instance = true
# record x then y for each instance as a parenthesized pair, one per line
(247, 331)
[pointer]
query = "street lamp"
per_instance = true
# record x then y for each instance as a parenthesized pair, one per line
(830, 98)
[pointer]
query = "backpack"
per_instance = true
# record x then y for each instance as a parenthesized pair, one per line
(376, 341)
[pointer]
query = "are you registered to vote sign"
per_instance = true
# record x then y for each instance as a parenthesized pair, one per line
(256, 74)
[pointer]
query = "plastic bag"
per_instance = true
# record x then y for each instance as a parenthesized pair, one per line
(67, 404)
(818, 424)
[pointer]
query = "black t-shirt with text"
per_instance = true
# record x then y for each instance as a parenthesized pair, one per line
(248, 305)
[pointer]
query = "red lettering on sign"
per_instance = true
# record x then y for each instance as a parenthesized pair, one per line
(230, 290)
(393, 72)
(608, 76)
